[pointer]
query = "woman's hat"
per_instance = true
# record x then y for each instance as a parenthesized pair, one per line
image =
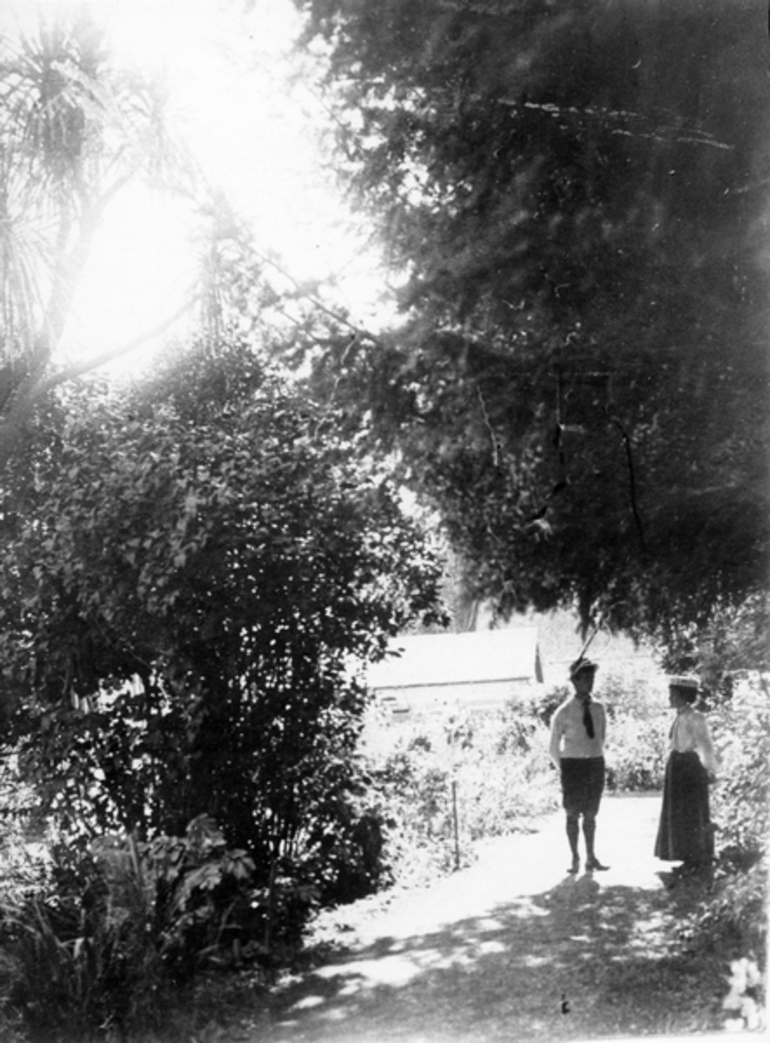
(684, 681)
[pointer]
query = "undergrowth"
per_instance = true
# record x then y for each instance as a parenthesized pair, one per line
(127, 942)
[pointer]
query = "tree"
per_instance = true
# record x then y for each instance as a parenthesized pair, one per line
(75, 130)
(579, 380)
(194, 569)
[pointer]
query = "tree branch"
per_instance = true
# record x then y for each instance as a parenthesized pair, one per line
(76, 369)
(35, 385)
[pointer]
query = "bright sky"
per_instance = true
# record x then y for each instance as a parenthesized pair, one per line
(253, 135)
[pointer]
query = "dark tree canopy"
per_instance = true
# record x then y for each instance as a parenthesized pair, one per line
(576, 195)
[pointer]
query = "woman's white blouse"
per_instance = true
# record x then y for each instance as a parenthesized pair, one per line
(690, 731)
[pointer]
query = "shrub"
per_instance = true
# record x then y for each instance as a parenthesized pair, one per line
(109, 931)
(185, 584)
(490, 771)
(741, 727)
(636, 754)
(746, 998)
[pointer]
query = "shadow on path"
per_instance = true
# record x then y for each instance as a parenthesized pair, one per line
(486, 956)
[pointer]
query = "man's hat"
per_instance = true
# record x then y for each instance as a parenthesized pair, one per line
(582, 666)
(684, 681)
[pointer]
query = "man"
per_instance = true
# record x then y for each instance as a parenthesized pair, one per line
(577, 751)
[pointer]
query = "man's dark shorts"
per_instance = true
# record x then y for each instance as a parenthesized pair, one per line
(582, 784)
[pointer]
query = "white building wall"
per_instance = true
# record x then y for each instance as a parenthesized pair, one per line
(486, 695)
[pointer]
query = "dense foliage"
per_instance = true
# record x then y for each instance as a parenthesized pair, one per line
(740, 809)
(97, 944)
(441, 783)
(572, 199)
(188, 575)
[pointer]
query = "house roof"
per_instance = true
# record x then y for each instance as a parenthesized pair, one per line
(472, 657)
(560, 643)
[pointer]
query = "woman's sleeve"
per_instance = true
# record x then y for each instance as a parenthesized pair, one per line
(703, 743)
(557, 728)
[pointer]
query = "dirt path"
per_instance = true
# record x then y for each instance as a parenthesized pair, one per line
(513, 949)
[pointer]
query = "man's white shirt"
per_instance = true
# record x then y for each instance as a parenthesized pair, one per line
(569, 737)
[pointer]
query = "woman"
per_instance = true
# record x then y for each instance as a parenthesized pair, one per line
(685, 833)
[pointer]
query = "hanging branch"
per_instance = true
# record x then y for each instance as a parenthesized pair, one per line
(488, 424)
(627, 123)
(632, 483)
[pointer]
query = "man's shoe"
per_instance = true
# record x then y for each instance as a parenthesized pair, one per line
(594, 864)
(575, 867)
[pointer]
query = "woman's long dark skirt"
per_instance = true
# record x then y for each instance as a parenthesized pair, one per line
(685, 832)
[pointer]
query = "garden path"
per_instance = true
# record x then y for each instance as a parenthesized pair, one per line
(511, 949)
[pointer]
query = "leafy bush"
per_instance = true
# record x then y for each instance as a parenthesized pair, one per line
(190, 567)
(741, 727)
(746, 999)
(488, 772)
(110, 931)
(631, 694)
(636, 754)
